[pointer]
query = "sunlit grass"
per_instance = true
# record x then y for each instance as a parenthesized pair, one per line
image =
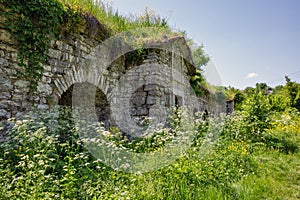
(112, 19)
(278, 177)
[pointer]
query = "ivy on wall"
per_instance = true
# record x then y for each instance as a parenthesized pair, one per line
(33, 23)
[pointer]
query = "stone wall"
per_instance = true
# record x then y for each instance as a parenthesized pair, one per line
(69, 52)
(125, 95)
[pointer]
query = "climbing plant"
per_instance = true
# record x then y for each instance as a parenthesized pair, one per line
(33, 23)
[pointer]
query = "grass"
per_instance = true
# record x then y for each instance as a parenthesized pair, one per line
(278, 177)
(45, 159)
(112, 19)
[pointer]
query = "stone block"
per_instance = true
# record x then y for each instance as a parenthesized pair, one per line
(63, 64)
(44, 89)
(5, 84)
(150, 87)
(58, 70)
(14, 57)
(54, 53)
(21, 84)
(18, 97)
(3, 62)
(9, 104)
(139, 99)
(151, 100)
(155, 93)
(5, 95)
(2, 54)
(4, 114)
(142, 111)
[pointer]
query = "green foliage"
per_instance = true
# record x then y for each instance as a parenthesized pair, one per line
(238, 100)
(262, 87)
(200, 58)
(33, 23)
(45, 159)
(293, 91)
(112, 20)
(279, 101)
(196, 82)
(257, 114)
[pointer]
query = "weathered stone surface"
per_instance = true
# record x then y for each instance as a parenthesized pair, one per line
(142, 111)
(151, 100)
(150, 87)
(3, 114)
(5, 95)
(44, 89)
(2, 54)
(5, 84)
(21, 83)
(18, 97)
(139, 99)
(77, 58)
(54, 53)
(9, 104)
(43, 106)
(3, 62)
(14, 57)
(5, 37)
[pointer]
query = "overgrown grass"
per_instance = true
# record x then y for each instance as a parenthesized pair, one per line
(112, 19)
(45, 159)
(278, 177)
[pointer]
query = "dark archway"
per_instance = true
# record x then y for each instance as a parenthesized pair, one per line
(102, 105)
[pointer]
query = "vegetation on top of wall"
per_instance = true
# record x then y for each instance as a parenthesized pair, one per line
(34, 23)
(112, 19)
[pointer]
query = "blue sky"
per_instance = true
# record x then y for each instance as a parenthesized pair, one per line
(249, 41)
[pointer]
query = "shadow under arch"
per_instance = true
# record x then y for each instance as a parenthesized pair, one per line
(92, 97)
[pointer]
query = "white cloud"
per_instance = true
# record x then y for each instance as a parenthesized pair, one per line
(252, 75)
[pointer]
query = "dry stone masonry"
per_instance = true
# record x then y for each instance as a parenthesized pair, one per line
(125, 92)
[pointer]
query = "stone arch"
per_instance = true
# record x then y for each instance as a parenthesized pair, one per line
(81, 75)
(89, 78)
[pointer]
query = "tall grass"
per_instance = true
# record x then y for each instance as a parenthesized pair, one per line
(112, 19)
(46, 159)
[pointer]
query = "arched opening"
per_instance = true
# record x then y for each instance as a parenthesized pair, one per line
(102, 106)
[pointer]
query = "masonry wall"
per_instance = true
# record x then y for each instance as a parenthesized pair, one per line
(66, 53)
(128, 94)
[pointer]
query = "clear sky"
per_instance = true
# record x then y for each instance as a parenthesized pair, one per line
(249, 41)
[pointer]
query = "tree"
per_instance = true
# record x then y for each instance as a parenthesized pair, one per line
(262, 87)
(258, 114)
(293, 91)
(239, 98)
(200, 58)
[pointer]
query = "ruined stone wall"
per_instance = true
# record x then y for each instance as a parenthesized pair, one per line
(70, 52)
(125, 95)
